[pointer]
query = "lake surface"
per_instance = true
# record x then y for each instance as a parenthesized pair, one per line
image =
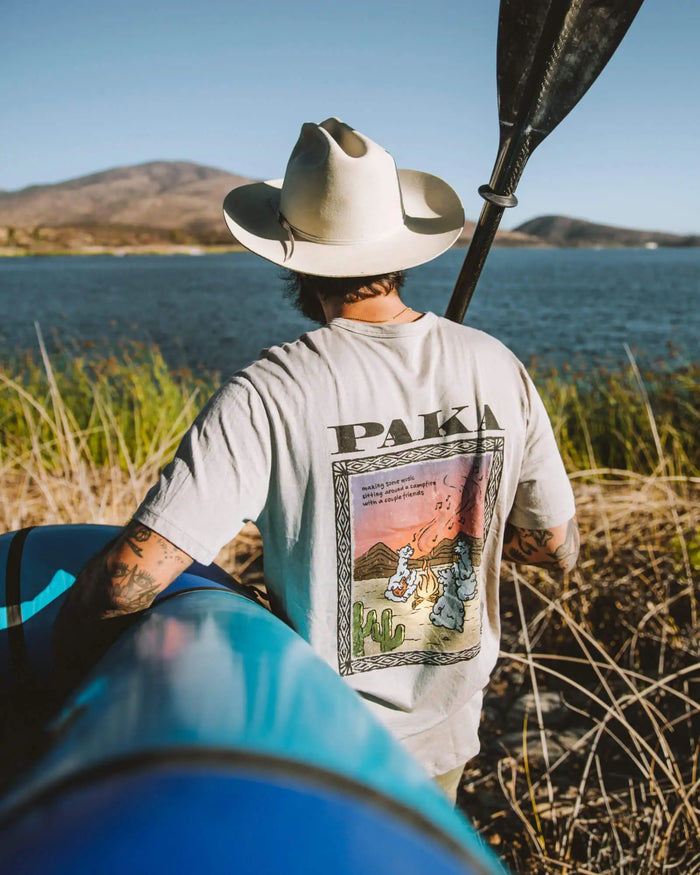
(219, 311)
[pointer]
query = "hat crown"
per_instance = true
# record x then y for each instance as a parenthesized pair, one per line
(340, 186)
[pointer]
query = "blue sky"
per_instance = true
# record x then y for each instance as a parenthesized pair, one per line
(89, 84)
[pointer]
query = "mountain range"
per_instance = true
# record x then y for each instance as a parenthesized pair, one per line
(178, 203)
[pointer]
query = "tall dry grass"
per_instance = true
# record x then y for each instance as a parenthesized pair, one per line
(590, 760)
(592, 721)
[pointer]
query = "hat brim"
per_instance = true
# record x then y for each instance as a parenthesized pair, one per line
(434, 219)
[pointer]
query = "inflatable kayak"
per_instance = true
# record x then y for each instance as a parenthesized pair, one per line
(209, 738)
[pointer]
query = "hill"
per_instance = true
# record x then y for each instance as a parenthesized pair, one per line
(160, 194)
(565, 231)
(145, 203)
(503, 238)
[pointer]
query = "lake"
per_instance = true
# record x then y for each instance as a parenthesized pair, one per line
(218, 311)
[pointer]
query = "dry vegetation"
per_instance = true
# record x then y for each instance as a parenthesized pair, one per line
(591, 752)
(592, 722)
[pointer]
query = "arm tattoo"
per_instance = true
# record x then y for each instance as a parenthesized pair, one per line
(133, 586)
(566, 554)
(112, 584)
(532, 546)
(136, 534)
(122, 579)
(541, 537)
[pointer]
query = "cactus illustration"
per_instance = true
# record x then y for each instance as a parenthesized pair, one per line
(361, 628)
(384, 636)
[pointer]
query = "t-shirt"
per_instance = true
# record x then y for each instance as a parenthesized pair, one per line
(380, 464)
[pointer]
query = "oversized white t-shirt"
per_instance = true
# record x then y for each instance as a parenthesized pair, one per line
(380, 463)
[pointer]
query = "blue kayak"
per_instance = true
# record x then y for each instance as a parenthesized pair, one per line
(210, 738)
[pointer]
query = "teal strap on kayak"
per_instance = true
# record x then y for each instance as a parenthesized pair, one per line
(59, 583)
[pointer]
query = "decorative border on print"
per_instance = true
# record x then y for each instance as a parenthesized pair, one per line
(342, 471)
(413, 657)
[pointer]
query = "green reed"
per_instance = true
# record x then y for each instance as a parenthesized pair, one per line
(114, 411)
(625, 420)
(120, 409)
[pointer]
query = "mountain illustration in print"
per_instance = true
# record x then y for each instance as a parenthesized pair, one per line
(381, 561)
(378, 561)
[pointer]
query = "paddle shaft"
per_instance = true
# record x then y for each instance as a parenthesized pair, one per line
(504, 180)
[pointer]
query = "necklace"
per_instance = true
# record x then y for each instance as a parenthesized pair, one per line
(377, 321)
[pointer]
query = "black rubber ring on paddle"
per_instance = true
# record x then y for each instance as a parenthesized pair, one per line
(13, 602)
(501, 200)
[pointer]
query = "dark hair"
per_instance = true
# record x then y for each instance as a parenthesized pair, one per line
(304, 290)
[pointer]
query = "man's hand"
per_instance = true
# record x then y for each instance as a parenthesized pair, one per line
(122, 579)
(555, 548)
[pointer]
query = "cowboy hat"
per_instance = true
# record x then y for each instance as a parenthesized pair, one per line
(343, 209)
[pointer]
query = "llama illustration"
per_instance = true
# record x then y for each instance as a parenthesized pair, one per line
(458, 586)
(404, 581)
(464, 571)
(449, 608)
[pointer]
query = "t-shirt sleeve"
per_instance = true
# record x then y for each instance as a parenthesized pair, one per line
(544, 496)
(219, 477)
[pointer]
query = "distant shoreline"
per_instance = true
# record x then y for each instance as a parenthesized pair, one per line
(220, 249)
(121, 251)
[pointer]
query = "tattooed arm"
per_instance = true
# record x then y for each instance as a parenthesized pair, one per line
(555, 548)
(122, 579)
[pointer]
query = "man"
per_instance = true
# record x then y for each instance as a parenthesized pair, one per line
(389, 458)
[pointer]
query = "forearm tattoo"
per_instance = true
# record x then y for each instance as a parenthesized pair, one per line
(534, 546)
(119, 580)
(133, 585)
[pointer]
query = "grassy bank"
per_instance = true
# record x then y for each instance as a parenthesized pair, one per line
(591, 759)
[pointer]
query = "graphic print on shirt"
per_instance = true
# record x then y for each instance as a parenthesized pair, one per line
(410, 529)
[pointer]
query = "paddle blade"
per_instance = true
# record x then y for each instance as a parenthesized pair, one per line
(549, 54)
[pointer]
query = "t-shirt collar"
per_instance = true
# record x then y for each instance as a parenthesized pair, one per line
(371, 329)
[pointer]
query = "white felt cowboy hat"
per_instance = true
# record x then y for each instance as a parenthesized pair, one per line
(343, 209)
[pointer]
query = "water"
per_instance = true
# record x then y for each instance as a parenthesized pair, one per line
(219, 311)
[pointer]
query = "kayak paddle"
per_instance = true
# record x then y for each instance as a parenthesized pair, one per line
(549, 54)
